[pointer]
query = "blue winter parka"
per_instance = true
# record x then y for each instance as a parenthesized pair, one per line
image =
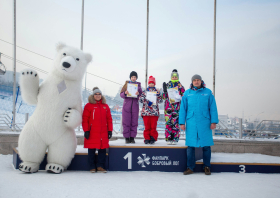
(198, 110)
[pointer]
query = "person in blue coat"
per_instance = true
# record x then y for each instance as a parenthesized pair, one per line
(198, 116)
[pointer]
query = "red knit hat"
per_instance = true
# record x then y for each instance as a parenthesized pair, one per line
(152, 80)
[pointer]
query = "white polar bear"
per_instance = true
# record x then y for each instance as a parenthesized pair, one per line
(58, 112)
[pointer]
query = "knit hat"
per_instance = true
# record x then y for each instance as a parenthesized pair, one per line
(152, 80)
(175, 73)
(196, 76)
(96, 90)
(133, 73)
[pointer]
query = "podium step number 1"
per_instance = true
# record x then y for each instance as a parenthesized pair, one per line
(129, 161)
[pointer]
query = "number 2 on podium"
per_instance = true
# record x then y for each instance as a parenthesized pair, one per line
(129, 156)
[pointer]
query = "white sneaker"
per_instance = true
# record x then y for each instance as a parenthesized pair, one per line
(174, 142)
(169, 142)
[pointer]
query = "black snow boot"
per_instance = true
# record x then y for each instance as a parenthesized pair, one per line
(152, 141)
(132, 140)
(127, 140)
(147, 141)
(172, 137)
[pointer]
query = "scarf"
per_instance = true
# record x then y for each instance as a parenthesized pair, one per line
(203, 85)
(174, 81)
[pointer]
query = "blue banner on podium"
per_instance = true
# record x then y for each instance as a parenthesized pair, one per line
(149, 159)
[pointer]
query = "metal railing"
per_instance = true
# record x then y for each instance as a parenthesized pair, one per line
(223, 130)
(266, 129)
(6, 123)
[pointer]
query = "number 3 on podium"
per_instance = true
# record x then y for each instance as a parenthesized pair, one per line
(242, 169)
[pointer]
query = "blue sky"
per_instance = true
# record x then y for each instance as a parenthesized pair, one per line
(180, 37)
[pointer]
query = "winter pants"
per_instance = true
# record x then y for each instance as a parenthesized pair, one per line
(172, 130)
(130, 124)
(150, 123)
(101, 158)
(191, 157)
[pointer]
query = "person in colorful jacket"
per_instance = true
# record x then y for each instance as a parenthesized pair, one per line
(171, 110)
(98, 126)
(130, 110)
(198, 116)
(150, 112)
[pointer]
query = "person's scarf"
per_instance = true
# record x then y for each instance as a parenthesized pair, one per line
(203, 85)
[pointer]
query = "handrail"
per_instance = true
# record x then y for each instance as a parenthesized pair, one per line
(261, 130)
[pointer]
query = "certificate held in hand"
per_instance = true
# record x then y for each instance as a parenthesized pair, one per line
(172, 93)
(132, 89)
(152, 96)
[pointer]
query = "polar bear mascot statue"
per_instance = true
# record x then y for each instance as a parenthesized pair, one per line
(57, 114)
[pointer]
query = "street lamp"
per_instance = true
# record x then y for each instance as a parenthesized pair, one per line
(2, 67)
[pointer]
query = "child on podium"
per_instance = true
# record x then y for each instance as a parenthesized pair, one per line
(130, 110)
(150, 111)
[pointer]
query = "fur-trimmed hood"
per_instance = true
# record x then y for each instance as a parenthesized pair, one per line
(93, 101)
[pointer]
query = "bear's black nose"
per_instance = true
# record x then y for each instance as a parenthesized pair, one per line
(66, 65)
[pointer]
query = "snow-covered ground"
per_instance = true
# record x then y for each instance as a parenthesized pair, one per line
(14, 183)
(244, 158)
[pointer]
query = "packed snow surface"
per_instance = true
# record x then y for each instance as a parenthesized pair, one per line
(244, 158)
(14, 183)
(140, 142)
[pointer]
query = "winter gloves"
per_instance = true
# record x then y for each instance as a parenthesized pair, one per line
(164, 87)
(86, 135)
(150, 103)
(109, 134)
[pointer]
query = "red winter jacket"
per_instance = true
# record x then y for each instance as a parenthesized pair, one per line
(98, 120)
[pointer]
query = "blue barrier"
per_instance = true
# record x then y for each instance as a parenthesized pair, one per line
(165, 159)
(157, 158)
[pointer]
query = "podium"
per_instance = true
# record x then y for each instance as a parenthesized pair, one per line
(132, 157)
(164, 158)
(141, 157)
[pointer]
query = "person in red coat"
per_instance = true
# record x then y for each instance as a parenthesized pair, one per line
(98, 126)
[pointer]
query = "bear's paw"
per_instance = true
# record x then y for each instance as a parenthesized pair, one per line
(29, 84)
(54, 168)
(29, 73)
(72, 118)
(29, 167)
(67, 115)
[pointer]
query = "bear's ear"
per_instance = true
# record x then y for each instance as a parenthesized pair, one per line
(59, 46)
(88, 57)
